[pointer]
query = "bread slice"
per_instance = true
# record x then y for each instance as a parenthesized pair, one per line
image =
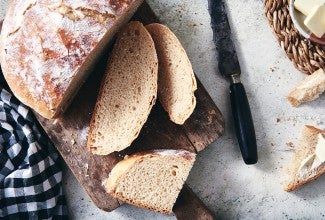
(176, 80)
(127, 93)
(48, 48)
(309, 89)
(305, 148)
(152, 179)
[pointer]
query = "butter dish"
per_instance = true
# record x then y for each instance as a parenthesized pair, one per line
(309, 19)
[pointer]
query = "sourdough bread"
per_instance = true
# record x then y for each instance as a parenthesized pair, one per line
(127, 93)
(48, 47)
(152, 179)
(301, 170)
(176, 80)
(309, 89)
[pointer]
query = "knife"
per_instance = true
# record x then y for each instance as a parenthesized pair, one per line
(229, 68)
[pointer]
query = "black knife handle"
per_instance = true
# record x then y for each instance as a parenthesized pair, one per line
(243, 123)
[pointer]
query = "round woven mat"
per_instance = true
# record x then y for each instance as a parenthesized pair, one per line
(305, 55)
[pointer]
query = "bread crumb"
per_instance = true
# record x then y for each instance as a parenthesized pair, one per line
(212, 112)
(73, 141)
(290, 144)
(278, 120)
(274, 68)
(210, 119)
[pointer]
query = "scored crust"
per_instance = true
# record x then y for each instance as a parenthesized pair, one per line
(46, 62)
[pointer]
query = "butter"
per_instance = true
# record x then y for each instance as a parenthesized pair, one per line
(320, 148)
(306, 6)
(315, 20)
(313, 161)
(306, 165)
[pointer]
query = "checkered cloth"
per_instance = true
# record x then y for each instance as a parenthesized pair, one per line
(30, 177)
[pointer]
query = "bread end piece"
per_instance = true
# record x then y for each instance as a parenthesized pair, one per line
(150, 180)
(309, 89)
(176, 79)
(305, 147)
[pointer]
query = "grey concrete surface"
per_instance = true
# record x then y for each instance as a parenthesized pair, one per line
(231, 189)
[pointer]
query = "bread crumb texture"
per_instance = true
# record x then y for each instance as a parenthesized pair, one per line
(176, 79)
(128, 92)
(151, 180)
(305, 147)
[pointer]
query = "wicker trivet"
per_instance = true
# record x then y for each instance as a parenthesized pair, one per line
(305, 55)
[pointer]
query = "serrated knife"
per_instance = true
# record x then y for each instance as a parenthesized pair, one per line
(229, 68)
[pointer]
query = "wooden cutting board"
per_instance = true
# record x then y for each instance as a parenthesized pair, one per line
(69, 135)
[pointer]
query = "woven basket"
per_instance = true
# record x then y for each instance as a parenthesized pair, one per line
(305, 55)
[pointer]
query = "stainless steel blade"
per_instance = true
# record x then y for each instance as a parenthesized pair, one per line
(227, 58)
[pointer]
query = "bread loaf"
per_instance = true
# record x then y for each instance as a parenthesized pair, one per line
(305, 167)
(151, 180)
(128, 91)
(176, 80)
(48, 48)
(309, 89)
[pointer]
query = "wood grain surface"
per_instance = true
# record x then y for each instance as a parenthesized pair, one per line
(69, 135)
(188, 206)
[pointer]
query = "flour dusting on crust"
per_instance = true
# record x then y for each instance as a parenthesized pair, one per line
(45, 42)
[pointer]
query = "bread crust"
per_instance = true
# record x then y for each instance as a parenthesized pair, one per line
(309, 89)
(46, 62)
(295, 185)
(116, 79)
(119, 170)
(124, 165)
(128, 162)
(306, 146)
(176, 79)
(140, 205)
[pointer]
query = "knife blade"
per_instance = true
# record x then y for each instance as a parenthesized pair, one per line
(229, 67)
